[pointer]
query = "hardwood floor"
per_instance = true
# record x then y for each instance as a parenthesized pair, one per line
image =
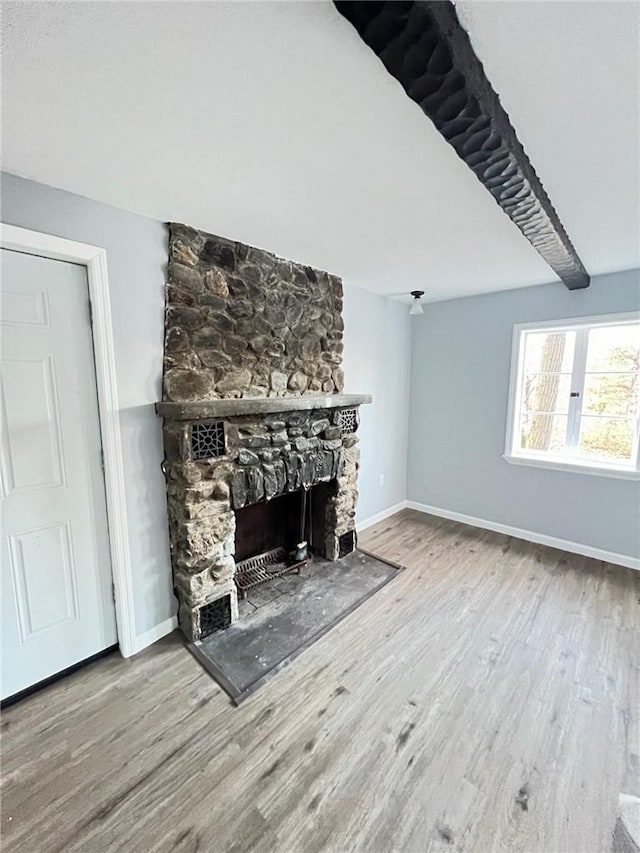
(485, 700)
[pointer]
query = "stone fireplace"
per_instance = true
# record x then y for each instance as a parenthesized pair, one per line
(261, 447)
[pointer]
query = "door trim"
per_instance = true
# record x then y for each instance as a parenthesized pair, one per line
(95, 260)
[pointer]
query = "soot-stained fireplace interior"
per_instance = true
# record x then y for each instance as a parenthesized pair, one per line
(261, 446)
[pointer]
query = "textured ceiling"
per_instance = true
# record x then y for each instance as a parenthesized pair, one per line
(272, 123)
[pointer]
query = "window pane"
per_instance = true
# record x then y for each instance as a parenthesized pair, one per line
(546, 433)
(611, 394)
(549, 352)
(547, 392)
(608, 438)
(614, 348)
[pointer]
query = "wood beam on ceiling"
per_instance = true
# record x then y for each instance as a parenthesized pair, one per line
(423, 45)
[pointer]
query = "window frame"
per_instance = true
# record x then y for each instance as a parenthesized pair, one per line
(581, 326)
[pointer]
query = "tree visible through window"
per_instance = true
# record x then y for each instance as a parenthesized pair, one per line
(577, 393)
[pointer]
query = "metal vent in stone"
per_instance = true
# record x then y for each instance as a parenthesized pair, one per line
(207, 440)
(346, 543)
(215, 616)
(348, 420)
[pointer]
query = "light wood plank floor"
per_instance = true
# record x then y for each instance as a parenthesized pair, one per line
(485, 700)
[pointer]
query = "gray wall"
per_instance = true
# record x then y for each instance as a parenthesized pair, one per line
(377, 355)
(376, 359)
(136, 258)
(459, 387)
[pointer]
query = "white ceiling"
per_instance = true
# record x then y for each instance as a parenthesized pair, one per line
(272, 123)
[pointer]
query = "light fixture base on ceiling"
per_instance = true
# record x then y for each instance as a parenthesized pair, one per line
(416, 305)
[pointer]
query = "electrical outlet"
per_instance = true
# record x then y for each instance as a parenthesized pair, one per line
(381, 480)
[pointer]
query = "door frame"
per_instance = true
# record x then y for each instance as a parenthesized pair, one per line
(94, 259)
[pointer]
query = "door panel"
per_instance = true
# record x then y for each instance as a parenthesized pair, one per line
(44, 578)
(24, 309)
(32, 447)
(57, 606)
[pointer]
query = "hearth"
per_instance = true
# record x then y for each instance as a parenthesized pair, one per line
(261, 446)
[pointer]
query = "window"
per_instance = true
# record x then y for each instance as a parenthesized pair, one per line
(574, 397)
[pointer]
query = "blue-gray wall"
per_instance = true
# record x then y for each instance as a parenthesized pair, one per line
(461, 358)
(136, 259)
(377, 358)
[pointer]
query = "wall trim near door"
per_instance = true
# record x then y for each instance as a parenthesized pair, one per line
(94, 259)
(156, 633)
(530, 536)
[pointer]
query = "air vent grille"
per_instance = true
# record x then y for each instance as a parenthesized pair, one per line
(207, 440)
(348, 420)
(215, 616)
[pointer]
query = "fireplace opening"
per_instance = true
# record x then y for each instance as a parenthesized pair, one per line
(284, 522)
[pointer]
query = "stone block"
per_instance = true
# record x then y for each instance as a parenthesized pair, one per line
(207, 338)
(255, 484)
(270, 481)
(220, 491)
(279, 437)
(196, 587)
(248, 457)
(188, 385)
(183, 253)
(237, 379)
(318, 426)
(198, 492)
(302, 444)
(182, 361)
(177, 340)
(255, 441)
(281, 475)
(259, 344)
(298, 381)
(185, 277)
(234, 345)
(216, 282)
(184, 317)
(257, 391)
(239, 489)
(278, 382)
(220, 252)
(331, 433)
(352, 454)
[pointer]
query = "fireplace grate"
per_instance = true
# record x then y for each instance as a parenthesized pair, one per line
(215, 616)
(207, 440)
(265, 567)
(348, 420)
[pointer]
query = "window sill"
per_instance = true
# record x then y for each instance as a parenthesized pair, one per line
(573, 467)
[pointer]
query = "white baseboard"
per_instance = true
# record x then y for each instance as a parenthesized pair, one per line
(156, 633)
(169, 625)
(530, 536)
(380, 516)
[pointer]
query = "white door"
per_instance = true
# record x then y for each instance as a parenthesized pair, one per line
(57, 603)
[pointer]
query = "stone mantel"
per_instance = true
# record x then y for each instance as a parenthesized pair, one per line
(200, 410)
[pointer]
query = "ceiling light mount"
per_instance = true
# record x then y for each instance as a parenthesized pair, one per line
(416, 305)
